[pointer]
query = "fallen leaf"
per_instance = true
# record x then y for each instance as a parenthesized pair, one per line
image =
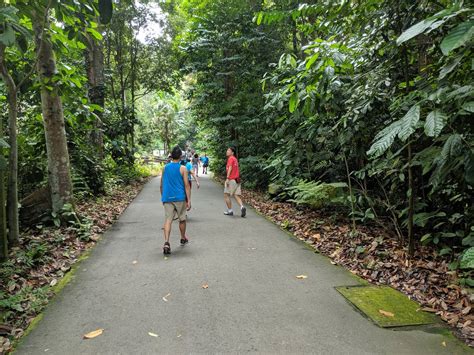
(93, 334)
(333, 262)
(153, 334)
(179, 336)
(134, 262)
(443, 343)
(301, 277)
(53, 282)
(165, 299)
(466, 310)
(386, 314)
(205, 286)
(166, 258)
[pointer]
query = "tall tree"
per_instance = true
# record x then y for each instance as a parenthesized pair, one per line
(53, 117)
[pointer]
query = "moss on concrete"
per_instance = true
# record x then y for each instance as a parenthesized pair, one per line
(373, 301)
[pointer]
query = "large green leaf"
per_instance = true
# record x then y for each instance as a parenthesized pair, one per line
(415, 30)
(409, 123)
(435, 122)
(384, 139)
(293, 102)
(449, 67)
(458, 37)
(8, 36)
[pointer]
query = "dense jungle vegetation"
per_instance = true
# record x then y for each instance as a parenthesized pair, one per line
(363, 108)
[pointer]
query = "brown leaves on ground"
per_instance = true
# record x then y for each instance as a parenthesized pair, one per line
(93, 334)
(376, 256)
(55, 250)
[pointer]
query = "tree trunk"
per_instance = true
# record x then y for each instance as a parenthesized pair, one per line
(12, 203)
(53, 119)
(96, 93)
(3, 223)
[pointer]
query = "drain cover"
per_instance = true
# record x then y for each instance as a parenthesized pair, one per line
(385, 306)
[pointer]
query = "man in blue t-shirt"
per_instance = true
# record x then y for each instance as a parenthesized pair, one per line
(176, 197)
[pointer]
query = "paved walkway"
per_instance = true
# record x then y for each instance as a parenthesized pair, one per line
(254, 303)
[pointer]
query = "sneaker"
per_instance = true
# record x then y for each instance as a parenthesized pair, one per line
(166, 249)
(184, 241)
(229, 213)
(243, 211)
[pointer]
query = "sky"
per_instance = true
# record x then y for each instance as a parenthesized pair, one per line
(153, 29)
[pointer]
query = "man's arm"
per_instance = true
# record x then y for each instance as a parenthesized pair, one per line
(229, 171)
(161, 181)
(184, 174)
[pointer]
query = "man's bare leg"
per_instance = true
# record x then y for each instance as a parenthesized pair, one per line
(182, 229)
(167, 230)
(227, 200)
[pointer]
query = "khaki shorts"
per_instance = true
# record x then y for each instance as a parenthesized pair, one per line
(233, 188)
(173, 209)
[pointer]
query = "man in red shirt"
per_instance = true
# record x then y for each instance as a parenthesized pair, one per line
(232, 184)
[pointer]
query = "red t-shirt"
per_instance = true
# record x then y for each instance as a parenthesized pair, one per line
(232, 162)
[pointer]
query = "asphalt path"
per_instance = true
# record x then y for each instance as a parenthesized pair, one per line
(149, 304)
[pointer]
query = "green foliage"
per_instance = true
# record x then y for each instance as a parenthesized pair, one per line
(467, 260)
(317, 194)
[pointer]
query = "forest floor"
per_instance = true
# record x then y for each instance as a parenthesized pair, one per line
(35, 270)
(241, 285)
(376, 256)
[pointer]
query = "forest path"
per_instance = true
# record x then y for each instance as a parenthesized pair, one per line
(254, 303)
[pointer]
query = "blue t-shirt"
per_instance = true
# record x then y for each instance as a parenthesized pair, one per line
(205, 160)
(173, 184)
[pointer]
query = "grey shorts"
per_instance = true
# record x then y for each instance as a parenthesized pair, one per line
(233, 188)
(173, 209)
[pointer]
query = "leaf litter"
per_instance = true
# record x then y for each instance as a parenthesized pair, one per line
(374, 254)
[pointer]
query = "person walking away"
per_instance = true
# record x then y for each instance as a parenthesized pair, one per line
(205, 164)
(191, 176)
(195, 162)
(176, 197)
(232, 183)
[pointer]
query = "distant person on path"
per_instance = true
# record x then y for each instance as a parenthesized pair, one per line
(232, 184)
(176, 197)
(191, 175)
(195, 161)
(205, 163)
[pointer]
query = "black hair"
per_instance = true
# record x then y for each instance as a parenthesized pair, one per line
(234, 150)
(196, 155)
(176, 153)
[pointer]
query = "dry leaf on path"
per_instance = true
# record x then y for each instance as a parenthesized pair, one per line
(166, 299)
(134, 262)
(153, 334)
(53, 282)
(301, 277)
(205, 286)
(443, 343)
(93, 334)
(386, 314)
